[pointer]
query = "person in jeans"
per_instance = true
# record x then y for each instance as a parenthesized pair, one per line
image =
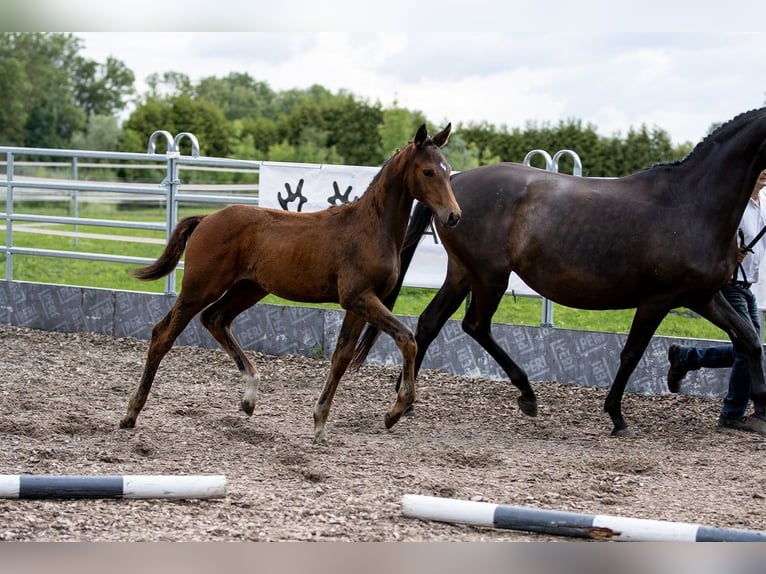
(737, 292)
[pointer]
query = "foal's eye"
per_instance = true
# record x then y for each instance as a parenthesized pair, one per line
(428, 172)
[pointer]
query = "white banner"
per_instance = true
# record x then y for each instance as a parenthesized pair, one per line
(309, 187)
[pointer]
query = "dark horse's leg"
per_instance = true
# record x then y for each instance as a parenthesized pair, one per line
(344, 350)
(645, 323)
(164, 335)
(217, 319)
(444, 304)
(478, 324)
(719, 312)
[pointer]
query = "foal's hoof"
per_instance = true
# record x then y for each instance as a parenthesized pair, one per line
(248, 408)
(390, 420)
(528, 407)
(127, 422)
(623, 433)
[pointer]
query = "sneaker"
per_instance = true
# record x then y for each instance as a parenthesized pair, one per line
(738, 423)
(677, 371)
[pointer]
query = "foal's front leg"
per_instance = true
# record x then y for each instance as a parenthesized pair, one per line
(344, 351)
(377, 314)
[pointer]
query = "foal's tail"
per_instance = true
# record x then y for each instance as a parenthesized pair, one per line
(172, 253)
(419, 222)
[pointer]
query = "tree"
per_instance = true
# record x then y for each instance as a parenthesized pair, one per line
(103, 133)
(167, 85)
(239, 96)
(644, 147)
(43, 65)
(48, 90)
(353, 129)
(15, 93)
(460, 154)
(176, 114)
(397, 128)
(102, 89)
(311, 148)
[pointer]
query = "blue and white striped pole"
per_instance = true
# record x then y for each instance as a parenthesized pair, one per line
(128, 486)
(562, 523)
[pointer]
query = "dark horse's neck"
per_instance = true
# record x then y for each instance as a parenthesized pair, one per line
(719, 174)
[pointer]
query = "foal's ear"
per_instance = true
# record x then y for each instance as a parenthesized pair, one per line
(441, 138)
(421, 136)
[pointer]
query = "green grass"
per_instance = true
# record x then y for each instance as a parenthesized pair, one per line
(520, 310)
(527, 310)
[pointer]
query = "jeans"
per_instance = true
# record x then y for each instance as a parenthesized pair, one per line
(729, 354)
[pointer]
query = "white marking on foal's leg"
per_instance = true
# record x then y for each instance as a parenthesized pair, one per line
(251, 392)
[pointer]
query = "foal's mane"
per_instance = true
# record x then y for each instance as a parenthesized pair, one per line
(428, 142)
(725, 130)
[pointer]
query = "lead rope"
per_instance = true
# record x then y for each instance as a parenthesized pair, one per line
(748, 248)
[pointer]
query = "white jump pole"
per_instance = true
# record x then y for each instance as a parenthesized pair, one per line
(562, 523)
(111, 486)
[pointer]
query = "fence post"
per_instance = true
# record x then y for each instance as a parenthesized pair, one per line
(9, 218)
(171, 189)
(76, 201)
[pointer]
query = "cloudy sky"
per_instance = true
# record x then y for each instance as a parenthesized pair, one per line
(681, 82)
(616, 65)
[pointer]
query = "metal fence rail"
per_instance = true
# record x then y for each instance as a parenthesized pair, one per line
(162, 183)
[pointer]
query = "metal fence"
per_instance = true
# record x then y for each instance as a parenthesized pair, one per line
(39, 174)
(150, 176)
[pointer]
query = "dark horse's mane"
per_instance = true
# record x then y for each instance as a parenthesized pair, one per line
(731, 125)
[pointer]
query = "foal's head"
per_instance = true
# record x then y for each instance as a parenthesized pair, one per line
(427, 174)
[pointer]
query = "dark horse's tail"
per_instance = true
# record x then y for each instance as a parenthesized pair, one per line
(419, 222)
(172, 253)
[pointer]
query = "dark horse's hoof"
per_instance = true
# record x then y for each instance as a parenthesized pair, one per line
(528, 406)
(247, 408)
(623, 433)
(127, 423)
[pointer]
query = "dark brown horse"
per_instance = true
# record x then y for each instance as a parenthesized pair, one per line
(347, 255)
(658, 239)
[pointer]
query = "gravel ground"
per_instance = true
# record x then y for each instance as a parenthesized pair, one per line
(62, 396)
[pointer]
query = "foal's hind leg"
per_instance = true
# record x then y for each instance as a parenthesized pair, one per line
(164, 335)
(217, 319)
(478, 324)
(341, 357)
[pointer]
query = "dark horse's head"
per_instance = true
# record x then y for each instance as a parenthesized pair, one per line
(427, 175)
